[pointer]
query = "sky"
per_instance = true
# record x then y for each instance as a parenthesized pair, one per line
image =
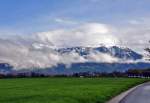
(36, 15)
(25, 17)
(26, 25)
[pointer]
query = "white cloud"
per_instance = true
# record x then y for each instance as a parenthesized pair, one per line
(36, 50)
(134, 36)
(101, 57)
(65, 21)
(22, 55)
(28, 56)
(90, 34)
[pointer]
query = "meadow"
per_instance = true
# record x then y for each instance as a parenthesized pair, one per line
(63, 90)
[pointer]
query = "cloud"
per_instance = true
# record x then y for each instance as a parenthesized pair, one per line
(28, 56)
(101, 57)
(37, 50)
(22, 55)
(134, 22)
(134, 36)
(65, 21)
(90, 34)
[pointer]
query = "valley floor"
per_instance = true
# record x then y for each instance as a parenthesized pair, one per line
(63, 90)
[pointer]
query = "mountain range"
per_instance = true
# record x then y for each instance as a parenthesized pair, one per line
(118, 52)
(114, 51)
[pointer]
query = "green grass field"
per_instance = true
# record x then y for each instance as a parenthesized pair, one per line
(63, 90)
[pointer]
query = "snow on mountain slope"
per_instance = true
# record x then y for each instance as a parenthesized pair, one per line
(118, 52)
(79, 59)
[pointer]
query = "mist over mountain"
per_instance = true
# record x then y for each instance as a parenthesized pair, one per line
(84, 44)
(82, 59)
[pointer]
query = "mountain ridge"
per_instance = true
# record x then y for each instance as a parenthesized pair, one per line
(122, 53)
(115, 51)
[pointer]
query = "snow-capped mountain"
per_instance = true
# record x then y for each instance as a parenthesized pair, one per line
(119, 52)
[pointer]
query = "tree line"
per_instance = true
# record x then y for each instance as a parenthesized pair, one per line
(136, 73)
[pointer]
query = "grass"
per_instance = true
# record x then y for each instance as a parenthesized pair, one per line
(63, 90)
